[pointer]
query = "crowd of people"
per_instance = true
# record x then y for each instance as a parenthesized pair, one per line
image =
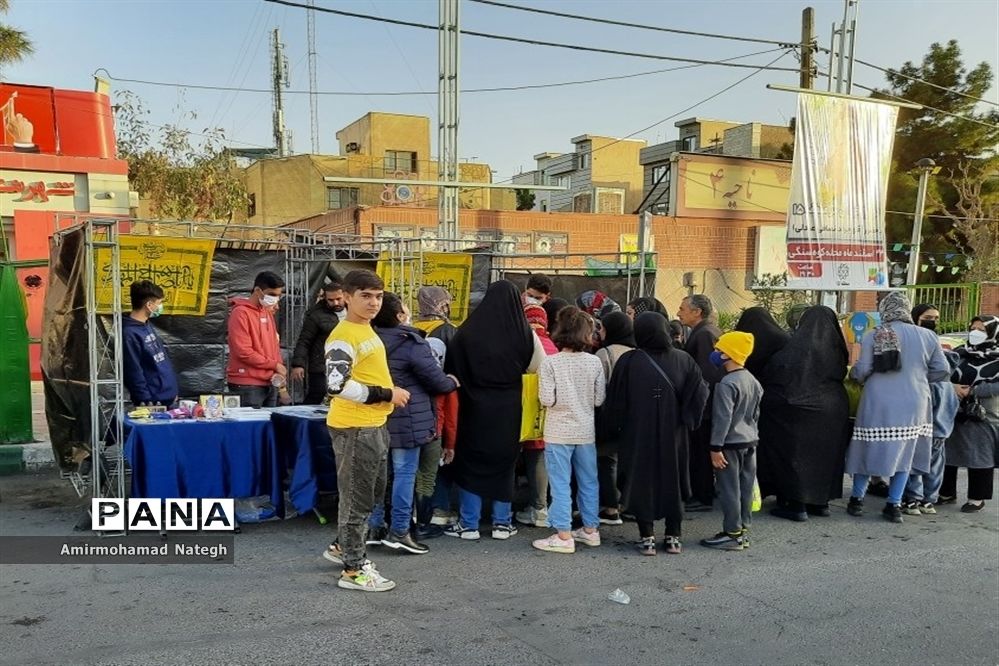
(645, 418)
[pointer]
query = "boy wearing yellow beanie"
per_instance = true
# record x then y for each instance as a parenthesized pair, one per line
(734, 436)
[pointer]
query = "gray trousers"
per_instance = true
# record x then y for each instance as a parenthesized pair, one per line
(735, 488)
(361, 476)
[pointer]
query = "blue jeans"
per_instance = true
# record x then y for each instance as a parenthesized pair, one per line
(926, 487)
(470, 509)
(562, 460)
(404, 465)
(896, 486)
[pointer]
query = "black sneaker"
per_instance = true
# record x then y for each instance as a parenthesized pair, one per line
(855, 507)
(789, 514)
(610, 518)
(724, 541)
(892, 513)
(376, 535)
(429, 531)
(405, 542)
(878, 488)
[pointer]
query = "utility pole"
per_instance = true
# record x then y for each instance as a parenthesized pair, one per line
(279, 78)
(448, 60)
(807, 48)
(842, 48)
(313, 87)
(926, 167)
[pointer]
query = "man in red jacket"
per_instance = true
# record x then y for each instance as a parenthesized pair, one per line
(256, 371)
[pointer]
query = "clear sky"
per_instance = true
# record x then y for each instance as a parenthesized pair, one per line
(225, 42)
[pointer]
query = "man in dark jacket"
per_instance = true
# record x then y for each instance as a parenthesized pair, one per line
(309, 356)
(413, 427)
(695, 312)
(148, 373)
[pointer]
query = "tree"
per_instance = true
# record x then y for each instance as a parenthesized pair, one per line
(950, 129)
(183, 175)
(14, 44)
(975, 219)
(525, 199)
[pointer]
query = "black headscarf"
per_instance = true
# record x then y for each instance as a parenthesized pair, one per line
(652, 332)
(676, 330)
(918, 311)
(979, 364)
(493, 347)
(814, 355)
(768, 337)
(552, 307)
(648, 304)
(619, 329)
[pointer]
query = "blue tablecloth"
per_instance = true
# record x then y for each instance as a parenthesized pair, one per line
(304, 445)
(204, 459)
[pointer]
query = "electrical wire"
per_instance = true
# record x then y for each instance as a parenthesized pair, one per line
(524, 40)
(930, 108)
(391, 93)
(916, 79)
(594, 19)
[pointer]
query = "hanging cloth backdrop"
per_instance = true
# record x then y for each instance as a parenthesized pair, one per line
(839, 181)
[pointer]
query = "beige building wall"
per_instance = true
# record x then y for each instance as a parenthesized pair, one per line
(615, 165)
(376, 132)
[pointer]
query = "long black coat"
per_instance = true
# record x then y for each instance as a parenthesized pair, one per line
(651, 419)
(310, 350)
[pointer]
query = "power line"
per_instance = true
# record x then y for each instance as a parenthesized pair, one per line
(387, 93)
(524, 40)
(594, 19)
(931, 108)
(895, 72)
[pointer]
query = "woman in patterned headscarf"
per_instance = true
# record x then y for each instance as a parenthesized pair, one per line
(894, 428)
(975, 441)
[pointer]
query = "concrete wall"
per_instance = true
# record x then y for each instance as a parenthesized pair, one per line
(615, 164)
(377, 132)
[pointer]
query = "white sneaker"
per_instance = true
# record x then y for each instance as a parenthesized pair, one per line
(333, 553)
(554, 544)
(444, 518)
(503, 532)
(460, 532)
(532, 517)
(366, 580)
(589, 539)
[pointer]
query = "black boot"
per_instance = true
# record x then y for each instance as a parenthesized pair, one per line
(424, 512)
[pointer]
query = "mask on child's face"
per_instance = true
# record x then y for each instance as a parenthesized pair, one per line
(531, 300)
(930, 324)
(156, 311)
(269, 300)
(717, 359)
(977, 337)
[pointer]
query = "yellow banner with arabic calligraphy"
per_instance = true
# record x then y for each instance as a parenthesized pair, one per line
(182, 267)
(737, 186)
(453, 272)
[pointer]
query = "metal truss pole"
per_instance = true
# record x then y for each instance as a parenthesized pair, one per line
(449, 58)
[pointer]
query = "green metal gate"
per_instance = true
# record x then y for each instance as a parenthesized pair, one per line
(957, 303)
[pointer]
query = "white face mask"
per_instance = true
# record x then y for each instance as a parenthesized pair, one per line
(977, 337)
(531, 300)
(269, 301)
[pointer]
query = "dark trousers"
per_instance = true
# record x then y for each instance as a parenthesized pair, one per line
(315, 389)
(537, 477)
(361, 477)
(610, 496)
(980, 483)
(254, 396)
(735, 489)
(702, 474)
(647, 528)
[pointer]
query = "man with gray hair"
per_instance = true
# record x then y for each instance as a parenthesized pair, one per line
(695, 311)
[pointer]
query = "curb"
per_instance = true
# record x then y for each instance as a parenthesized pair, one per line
(19, 458)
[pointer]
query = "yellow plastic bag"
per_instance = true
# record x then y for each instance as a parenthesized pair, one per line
(532, 419)
(853, 391)
(757, 502)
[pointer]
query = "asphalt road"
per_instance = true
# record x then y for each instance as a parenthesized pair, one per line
(839, 590)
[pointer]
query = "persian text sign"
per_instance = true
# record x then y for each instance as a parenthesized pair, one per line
(453, 272)
(182, 267)
(839, 181)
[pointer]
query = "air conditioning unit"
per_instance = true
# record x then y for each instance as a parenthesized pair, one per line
(353, 147)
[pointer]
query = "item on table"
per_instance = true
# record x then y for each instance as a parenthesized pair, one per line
(212, 404)
(188, 405)
(199, 412)
(140, 413)
(231, 402)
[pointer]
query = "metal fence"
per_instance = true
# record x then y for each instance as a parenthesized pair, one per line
(957, 303)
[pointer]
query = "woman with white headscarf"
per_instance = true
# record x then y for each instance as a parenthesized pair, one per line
(894, 429)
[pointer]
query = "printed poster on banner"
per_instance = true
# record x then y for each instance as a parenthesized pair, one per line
(451, 271)
(839, 181)
(182, 267)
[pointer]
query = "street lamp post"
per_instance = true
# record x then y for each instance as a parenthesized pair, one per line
(926, 166)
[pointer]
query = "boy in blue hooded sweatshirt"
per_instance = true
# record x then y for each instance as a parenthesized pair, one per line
(149, 375)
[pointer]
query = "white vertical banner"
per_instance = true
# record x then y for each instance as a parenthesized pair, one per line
(839, 183)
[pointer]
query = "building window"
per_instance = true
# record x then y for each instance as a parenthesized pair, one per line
(251, 205)
(400, 160)
(688, 143)
(544, 206)
(341, 197)
(659, 174)
(584, 160)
